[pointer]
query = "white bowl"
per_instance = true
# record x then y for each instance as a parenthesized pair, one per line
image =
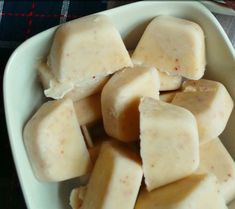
(23, 95)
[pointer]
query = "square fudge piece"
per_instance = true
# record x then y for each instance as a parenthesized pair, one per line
(87, 47)
(54, 142)
(215, 159)
(210, 103)
(193, 192)
(120, 100)
(115, 180)
(172, 45)
(169, 143)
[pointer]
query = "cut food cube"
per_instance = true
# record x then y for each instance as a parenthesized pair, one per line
(169, 143)
(214, 158)
(168, 96)
(193, 192)
(115, 180)
(57, 90)
(88, 110)
(120, 100)
(169, 82)
(210, 103)
(76, 197)
(172, 45)
(87, 47)
(54, 142)
(95, 150)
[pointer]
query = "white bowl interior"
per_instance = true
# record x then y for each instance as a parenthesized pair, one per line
(23, 94)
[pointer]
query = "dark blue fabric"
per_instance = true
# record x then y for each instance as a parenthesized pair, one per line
(19, 21)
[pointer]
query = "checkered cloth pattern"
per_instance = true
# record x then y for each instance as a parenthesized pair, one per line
(19, 20)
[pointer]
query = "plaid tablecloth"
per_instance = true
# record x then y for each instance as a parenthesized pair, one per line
(20, 20)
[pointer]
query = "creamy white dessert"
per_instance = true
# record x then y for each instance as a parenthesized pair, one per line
(120, 99)
(172, 45)
(95, 150)
(88, 110)
(87, 47)
(215, 159)
(115, 180)
(210, 103)
(193, 192)
(84, 55)
(54, 142)
(169, 143)
(169, 82)
(57, 90)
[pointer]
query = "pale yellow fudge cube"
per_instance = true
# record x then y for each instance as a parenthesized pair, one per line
(95, 150)
(214, 158)
(172, 45)
(76, 197)
(210, 103)
(88, 110)
(58, 90)
(169, 82)
(54, 142)
(115, 180)
(193, 192)
(120, 100)
(87, 47)
(169, 144)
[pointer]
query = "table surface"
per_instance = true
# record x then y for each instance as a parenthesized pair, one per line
(10, 192)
